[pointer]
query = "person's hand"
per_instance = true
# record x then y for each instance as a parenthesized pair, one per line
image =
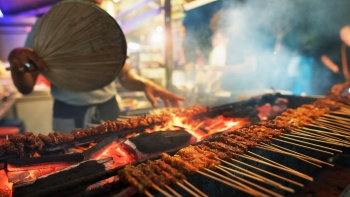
(153, 91)
(25, 66)
(338, 88)
(25, 59)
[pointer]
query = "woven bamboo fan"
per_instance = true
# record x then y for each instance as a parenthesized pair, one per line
(82, 45)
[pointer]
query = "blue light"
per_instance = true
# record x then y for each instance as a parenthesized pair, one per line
(1, 15)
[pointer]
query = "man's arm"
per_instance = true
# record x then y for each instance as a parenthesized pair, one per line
(330, 64)
(132, 81)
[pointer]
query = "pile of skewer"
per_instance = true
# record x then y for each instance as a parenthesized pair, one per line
(321, 126)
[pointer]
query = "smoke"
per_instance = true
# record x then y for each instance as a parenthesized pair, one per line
(286, 39)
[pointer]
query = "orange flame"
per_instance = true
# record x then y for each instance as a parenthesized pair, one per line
(201, 128)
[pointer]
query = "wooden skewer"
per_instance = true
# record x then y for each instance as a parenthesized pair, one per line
(228, 183)
(333, 122)
(307, 147)
(230, 180)
(319, 136)
(257, 193)
(269, 173)
(329, 129)
(322, 141)
(161, 190)
(187, 189)
(339, 113)
(296, 154)
(345, 108)
(291, 171)
(226, 170)
(339, 131)
(257, 177)
(286, 153)
(250, 183)
(336, 117)
(332, 126)
(332, 149)
(147, 193)
(303, 155)
(195, 188)
(323, 132)
(172, 190)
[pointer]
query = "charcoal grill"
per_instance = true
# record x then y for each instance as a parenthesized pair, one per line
(80, 181)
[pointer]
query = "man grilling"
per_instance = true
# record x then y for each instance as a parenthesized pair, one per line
(81, 109)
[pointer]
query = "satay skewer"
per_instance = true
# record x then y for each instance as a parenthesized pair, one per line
(267, 147)
(330, 130)
(340, 113)
(318, 131)
(172, 190)
(187, 189)
(154, 186)
(255, 176)
(175, 177)
(328, 116)
(278, 166)
(333, 121)
(229, 179)
(332, 126)
(338, 131)
(250, 183)
(345, 108)
(148, 194)
(185, 160)
(244, 189)
(226, 156)
(331, 149)
(303, 146)
(275, 165)
(286, 153)
(316, 140)
(303, 155)
(319, 137)
(195, 188)
(270, 173)
(321, 133)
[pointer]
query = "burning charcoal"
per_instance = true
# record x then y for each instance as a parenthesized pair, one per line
(165, 140)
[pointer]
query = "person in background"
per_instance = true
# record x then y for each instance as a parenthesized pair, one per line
(81, 109)
(342, 71)
(231, 62)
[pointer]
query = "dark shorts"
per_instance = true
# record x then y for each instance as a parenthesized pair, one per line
(67, 117)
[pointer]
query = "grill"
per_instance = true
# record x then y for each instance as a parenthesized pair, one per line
(282, 168)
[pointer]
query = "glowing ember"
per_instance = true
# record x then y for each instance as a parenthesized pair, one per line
(81, 148)
(121, 154)
(32, 172)
(5, 185)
